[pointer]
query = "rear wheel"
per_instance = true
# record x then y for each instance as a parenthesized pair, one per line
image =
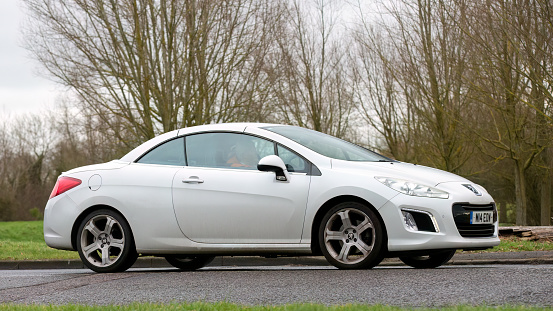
(429, 261)
(105, 242)
(351, 236)
(189, 263)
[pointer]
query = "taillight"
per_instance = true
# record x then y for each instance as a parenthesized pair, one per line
(63, 184)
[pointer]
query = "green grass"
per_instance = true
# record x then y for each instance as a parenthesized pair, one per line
(23, 240)
(223, 306)
(21, 231)
(32, 251)
(515, 244)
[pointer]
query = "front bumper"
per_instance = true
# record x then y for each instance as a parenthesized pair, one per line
(448, 234)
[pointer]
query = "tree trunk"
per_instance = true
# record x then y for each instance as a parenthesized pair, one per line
(503, 212)
(546, 201)
(520, 191)
(546, 190)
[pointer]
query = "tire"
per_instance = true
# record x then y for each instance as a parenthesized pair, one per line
(429, 261)
(351, 236)
(105, 242)
(189, 263)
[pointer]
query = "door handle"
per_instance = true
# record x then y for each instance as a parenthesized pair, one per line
(193, 180)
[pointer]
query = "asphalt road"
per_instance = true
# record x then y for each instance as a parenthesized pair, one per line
(400, 286)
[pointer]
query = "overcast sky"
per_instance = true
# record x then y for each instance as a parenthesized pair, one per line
(21, 89)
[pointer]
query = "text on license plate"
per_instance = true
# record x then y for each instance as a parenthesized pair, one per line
(481, 217)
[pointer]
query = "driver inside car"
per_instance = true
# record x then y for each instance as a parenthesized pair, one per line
(243, 154)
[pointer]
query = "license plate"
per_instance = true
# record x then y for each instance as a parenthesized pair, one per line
(477, 218)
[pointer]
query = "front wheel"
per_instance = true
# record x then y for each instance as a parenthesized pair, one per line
(189, 263)
(351, 236)
(105, 242)
(429, 261)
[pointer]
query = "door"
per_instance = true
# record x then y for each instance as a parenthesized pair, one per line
(221, 197)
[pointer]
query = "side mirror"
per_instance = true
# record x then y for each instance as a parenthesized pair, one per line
(275, 164)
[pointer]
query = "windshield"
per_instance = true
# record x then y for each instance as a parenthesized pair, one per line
(327, 145)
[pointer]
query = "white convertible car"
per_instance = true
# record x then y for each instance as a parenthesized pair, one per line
(264, 190)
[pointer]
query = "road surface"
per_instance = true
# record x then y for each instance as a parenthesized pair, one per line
(399, 286)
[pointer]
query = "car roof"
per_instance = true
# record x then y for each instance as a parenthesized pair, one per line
(232, 127)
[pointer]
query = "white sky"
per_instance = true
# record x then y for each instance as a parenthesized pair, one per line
(21, 89)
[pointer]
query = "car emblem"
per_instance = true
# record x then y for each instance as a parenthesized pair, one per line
(471, 188)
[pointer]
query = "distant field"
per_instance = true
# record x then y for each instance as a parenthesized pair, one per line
(23, 240)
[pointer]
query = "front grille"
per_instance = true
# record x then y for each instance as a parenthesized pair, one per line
(461, 215)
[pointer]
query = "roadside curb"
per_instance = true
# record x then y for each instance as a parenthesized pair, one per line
(514, 258)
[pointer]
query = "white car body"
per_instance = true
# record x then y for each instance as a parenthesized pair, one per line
(236, 211)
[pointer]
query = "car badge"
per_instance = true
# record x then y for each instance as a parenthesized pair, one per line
(471, 188)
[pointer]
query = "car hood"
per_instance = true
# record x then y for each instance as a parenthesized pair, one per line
(115, 164)
(417, 173)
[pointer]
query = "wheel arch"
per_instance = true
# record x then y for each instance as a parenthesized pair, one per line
(315, 247)
(88, 211)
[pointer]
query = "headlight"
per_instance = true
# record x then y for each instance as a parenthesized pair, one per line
(412, 188)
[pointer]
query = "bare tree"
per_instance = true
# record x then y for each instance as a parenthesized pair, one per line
(310, 82)
(24, 178)
(535, 32)
(424, 60)
(156, 65)
(509, 75)
(5, 163)
(382, 97)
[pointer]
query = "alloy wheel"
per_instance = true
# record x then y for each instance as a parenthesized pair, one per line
(351, 236)
(105, 242)
(102, 240)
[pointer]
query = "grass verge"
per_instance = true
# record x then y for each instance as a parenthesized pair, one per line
(23, 240)
(515, 244)
(223, 306)
(32, 251)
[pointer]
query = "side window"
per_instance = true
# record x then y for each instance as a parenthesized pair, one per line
(294, 163)
(168, 153)
(226, 150)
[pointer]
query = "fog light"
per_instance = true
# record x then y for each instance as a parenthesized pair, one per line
(409, 221)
